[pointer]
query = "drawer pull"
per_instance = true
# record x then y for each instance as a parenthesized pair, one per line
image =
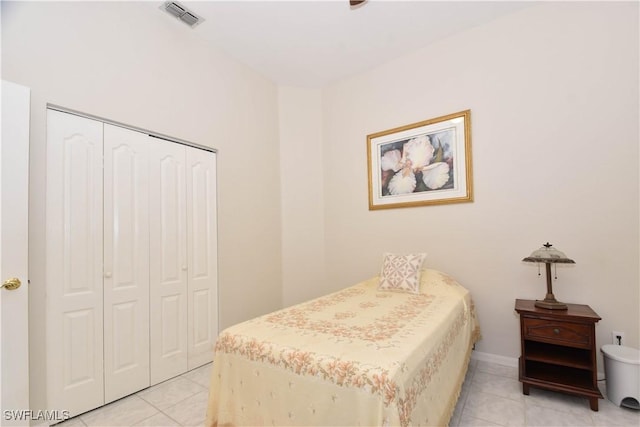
(556, 331)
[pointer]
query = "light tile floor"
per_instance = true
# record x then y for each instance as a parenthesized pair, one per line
(181, 401)
(491, 396)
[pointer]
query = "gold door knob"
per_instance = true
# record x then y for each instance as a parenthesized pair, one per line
(11, 284)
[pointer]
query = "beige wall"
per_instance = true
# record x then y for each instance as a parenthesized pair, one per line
(130, 62)
(553, 92)
(301, 166)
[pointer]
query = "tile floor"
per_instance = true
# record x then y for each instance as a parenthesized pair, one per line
(181, 401)
(491, 396)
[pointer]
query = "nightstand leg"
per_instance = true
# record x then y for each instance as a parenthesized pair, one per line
(525, 390)
(593, 403)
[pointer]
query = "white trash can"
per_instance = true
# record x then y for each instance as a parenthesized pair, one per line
(622, 371)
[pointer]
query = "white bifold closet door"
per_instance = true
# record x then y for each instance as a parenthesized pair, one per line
(131, 271)
(183, 259)
(126, 262)
(168, 256)
(203, 254)
(74, 302)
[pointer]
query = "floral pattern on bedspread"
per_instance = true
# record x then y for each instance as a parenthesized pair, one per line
(407, 402)
(396, 346)
(379, 328)
(345, 373)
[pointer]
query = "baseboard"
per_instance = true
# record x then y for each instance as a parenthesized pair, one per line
(495, 358)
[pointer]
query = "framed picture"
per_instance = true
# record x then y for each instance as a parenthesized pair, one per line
(425, 163)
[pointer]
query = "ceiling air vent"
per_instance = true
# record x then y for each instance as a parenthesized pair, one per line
(182, 13)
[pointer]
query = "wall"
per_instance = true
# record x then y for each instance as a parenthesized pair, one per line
(553, 92)
(303, 260)
(132, 63)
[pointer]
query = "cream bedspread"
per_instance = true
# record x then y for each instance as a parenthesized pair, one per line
(355, 357)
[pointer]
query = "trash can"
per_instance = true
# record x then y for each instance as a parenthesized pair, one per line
(622, 371)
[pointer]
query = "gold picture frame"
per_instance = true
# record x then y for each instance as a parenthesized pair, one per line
(424, 163)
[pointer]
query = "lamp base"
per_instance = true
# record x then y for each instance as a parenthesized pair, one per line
(551, 304)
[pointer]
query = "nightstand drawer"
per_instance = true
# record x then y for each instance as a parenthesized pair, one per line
(565, 333)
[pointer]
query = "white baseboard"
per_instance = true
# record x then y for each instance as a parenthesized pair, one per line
(495, 358)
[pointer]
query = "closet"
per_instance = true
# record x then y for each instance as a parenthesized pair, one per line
(131, 270)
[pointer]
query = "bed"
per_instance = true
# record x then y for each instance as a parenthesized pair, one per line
(359, 356)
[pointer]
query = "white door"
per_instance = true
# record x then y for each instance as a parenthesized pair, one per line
(168, 258)
(126, 262)
(202, 250)
(131, 270)
(14, 191)
(74, 342)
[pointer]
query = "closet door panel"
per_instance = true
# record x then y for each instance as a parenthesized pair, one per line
(126, 262)
(168, 257)
(202, 250)
(74, 221)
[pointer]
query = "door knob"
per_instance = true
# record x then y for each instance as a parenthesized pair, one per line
(11, 284)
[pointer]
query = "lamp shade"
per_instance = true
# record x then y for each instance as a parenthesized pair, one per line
(548, 254)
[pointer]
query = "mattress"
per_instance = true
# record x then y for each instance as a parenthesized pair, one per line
(359, 356)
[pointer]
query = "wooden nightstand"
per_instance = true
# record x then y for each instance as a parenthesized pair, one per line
(558, 350)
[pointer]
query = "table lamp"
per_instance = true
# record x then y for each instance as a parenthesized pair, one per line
(549, 255)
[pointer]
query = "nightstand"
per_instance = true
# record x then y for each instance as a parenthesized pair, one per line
(558, 350)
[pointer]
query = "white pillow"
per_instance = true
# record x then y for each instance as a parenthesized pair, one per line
(401, 273)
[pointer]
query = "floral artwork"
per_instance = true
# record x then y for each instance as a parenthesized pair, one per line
(424, 163)
(415, 165)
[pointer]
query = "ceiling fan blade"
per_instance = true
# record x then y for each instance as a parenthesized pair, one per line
(356, 2)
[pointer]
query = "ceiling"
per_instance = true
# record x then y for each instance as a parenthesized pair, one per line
(315, 43)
